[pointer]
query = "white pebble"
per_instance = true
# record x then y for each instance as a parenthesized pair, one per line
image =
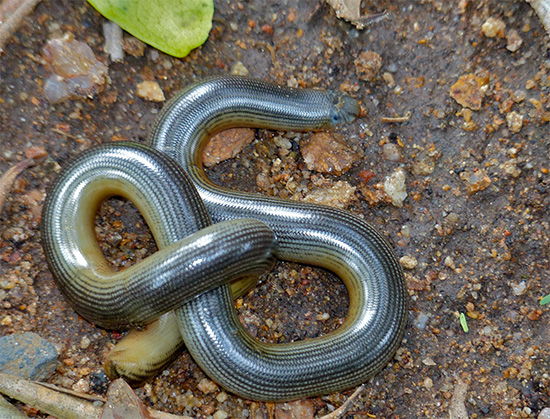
(207, 386)
(519, 288)
(395, 187)
(408, 262)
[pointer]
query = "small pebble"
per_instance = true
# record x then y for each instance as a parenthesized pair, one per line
(388, 78)
(328, 153)
(544, 413)
(339, 195)
(423, 164)
(514, 41)
(150, 90)
(518, 288)
(221, 414)
(510, 168)
(84, 342)
(367, 65)
(395, 187)
(429, 362)
(493, 27)
(428, 382)
(449, 262)
(468, 91)
(514, 121)
(475, 180)
(391, 152)
(207, 386)
(408, 262)
(519, 96)
(226, 144)
(421, 321)
(35, 152)
(238, 69)
(323, 316)
(299, 409)
(221, 397)
(133, 46)
(82, 386)
(76, 70)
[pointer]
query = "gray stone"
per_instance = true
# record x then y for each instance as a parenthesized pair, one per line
(27, 355)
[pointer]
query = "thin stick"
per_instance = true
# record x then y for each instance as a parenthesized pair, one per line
(403, 118)
(8, 28)
(338, 413)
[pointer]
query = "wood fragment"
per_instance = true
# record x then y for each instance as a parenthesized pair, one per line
(47, 400)
(403, 118)
(7, 410)
(341, 411)
(11, 24)
(7, 179)
(68, 404)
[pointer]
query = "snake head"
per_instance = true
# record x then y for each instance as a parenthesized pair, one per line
(344, 108)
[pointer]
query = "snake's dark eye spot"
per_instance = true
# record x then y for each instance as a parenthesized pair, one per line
(335, 118)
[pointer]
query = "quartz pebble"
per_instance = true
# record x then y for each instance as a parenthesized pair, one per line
(493, 27)
(239, 69)
(391, 152)
(423, 164)
(395, 188)
(514, 121)
(514, 41)
(338, 195)
(76, 70)
(449, 262)
(207, 386)
(408, 262)
(518, 288)
(221, 414)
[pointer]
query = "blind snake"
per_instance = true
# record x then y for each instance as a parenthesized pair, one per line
(153, 178)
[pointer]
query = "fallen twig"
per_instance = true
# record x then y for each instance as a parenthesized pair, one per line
(68, 404)
(10, 25)
(47, 400)
(7, 179)
(395, 119)
(338, 413)
(7, 410)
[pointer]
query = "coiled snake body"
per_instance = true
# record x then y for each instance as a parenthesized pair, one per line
(239, 244)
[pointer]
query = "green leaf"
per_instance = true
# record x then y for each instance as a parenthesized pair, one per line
(545, 300)
(464, 323)
(173, 26)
